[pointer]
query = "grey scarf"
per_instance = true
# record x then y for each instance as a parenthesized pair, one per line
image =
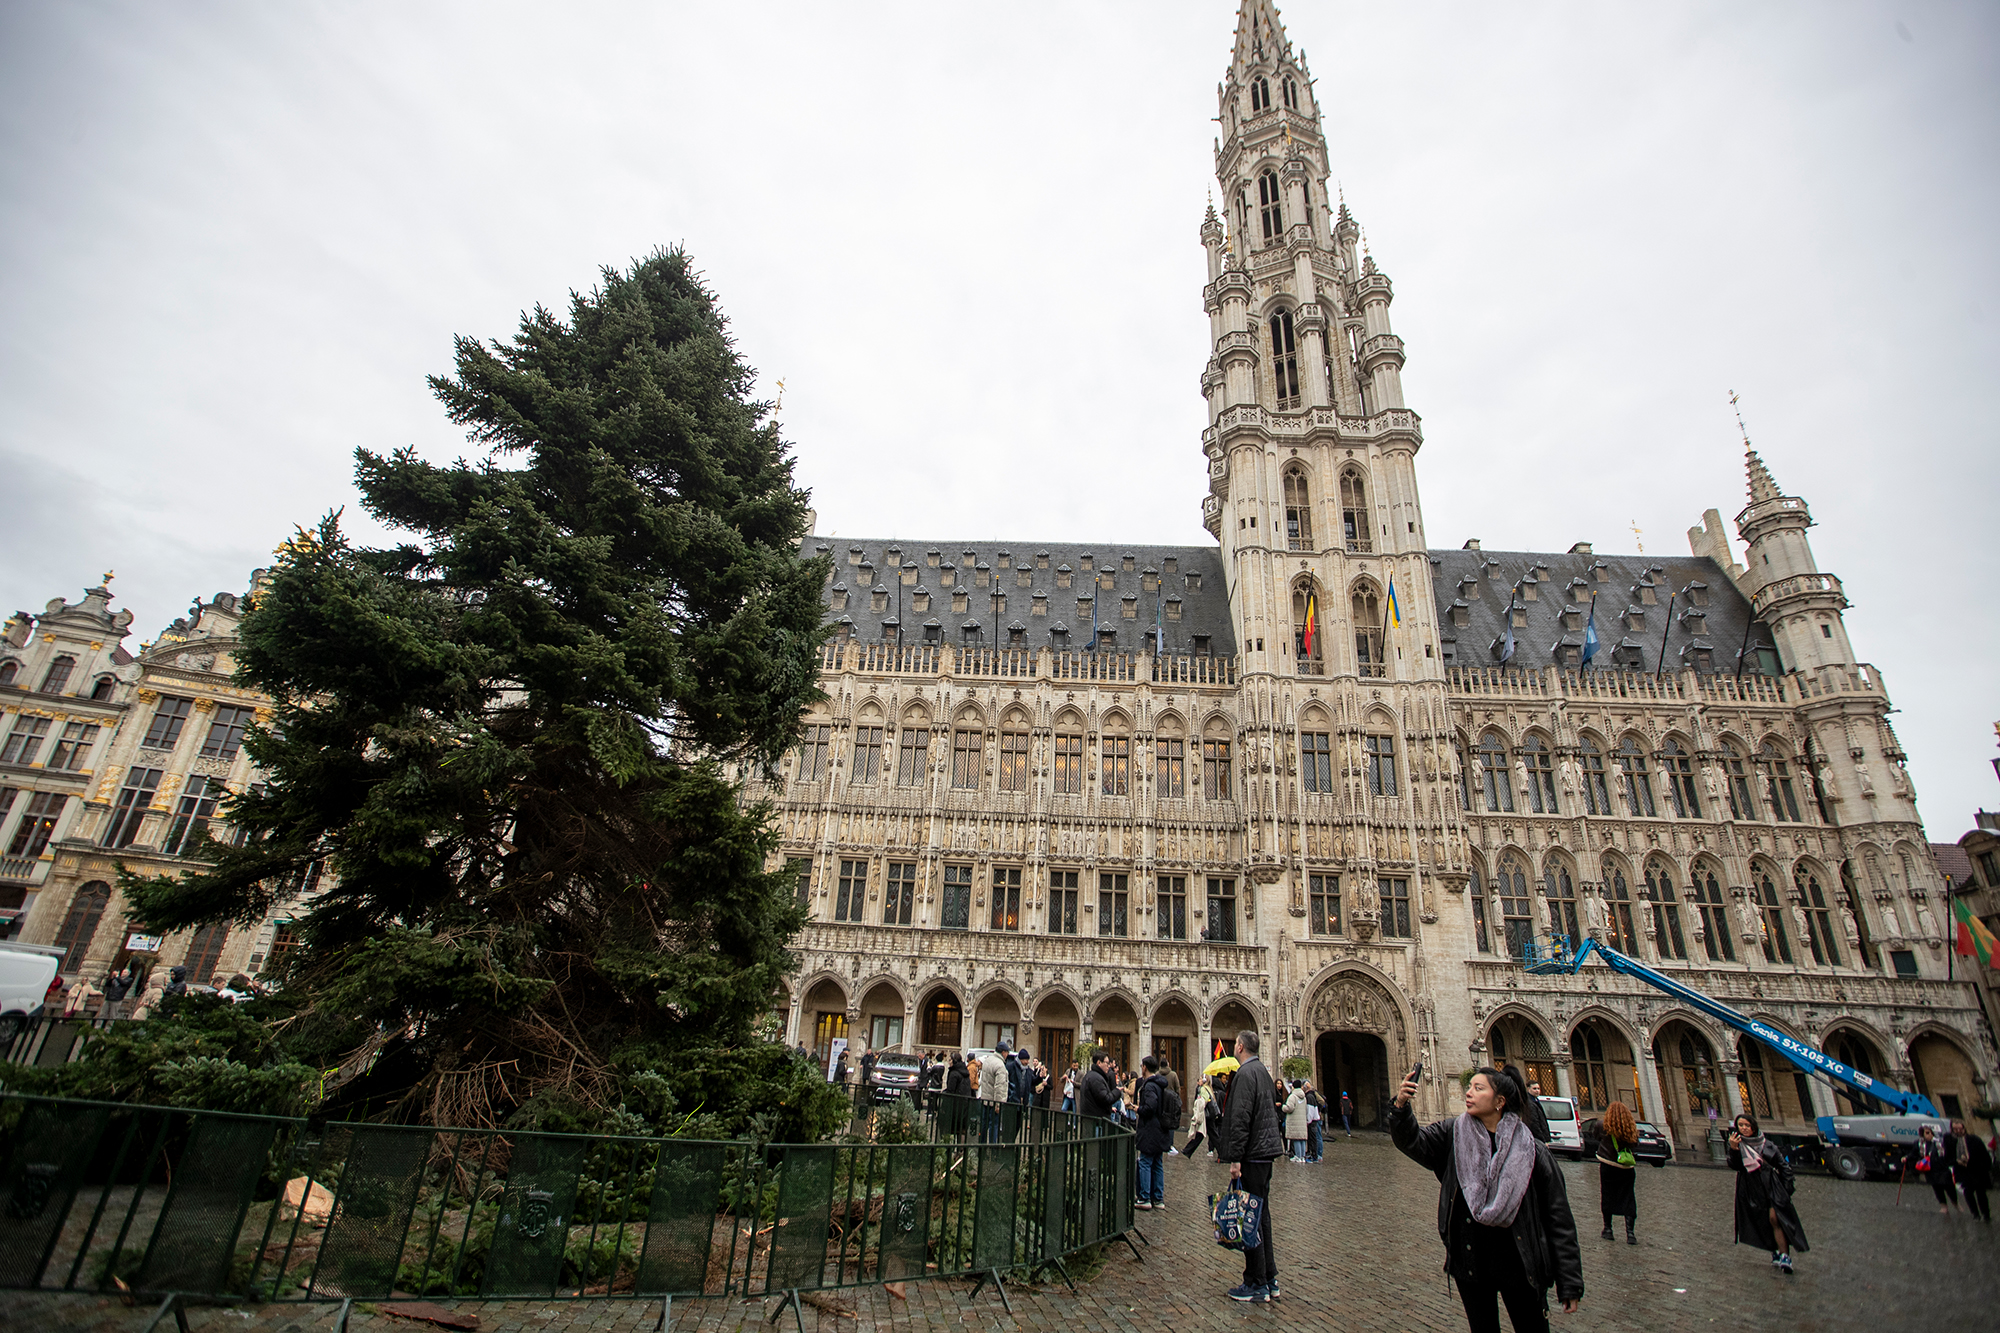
(1493, 1182)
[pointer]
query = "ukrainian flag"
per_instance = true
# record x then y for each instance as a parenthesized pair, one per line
(1395, 611)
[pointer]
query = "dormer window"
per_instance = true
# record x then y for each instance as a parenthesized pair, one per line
(920, 600)
(1128, 563)
(1519, 616)
(1201, 644)
(1063, 576)
(839, 600)
(1083, 605)
(1468, 589)
(1149, 580)
(1041, 560)
(981, 573)
(1568, 654)
(909, 573)
(1697, 594)
(1461, 613)
(1194, 583)
(969, 559)
(958, 601)
(1174, 607)
(1017, 634)
(947, 574)
(1040, 605)
(933, 631)
(106, 684)
(879, 600)
(1059, 636)
(893, 556)
(1170, 565)
(1629, 654)
(1572, 618)
(1647, 594)
(865, 575)
(1635, 617)
(931, 558)
(854, 556)
(1003, 558)
(1698, 656)
(1530, 587)
(1107, 578)
(1694, 621)
(1024, 576)
(1129, 606)
(1601, 572)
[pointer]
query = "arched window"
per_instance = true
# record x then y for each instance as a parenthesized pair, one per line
(1753, 1083)
(1298, 510)
(1260, 94)
(1270, 205)
(8, 670)
(1777, 944)
(1284, 361)
(1713, 908)
(1291, 92)
(1596, 792)
(1516, 915)
(1354, 510)
(205, 951)
(1541, 765)
(1561, 892)
(1480, 937)
(1819, 917)
(58, 674)
(1068, 774)
(102, 690)
(1632, 773)
(1465, 778)
(1667, 937)
(1778, 787)
(1367, 611)
(85, 909)
(1586, 1051)
(1618, 912)
(1742, 805)
(1494, 780)
(1379, 754)
(1679, 768)
(1309, 630)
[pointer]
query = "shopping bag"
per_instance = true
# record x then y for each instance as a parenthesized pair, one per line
(1237, 1217)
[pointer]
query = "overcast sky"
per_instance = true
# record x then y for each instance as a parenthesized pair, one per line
(234, 238)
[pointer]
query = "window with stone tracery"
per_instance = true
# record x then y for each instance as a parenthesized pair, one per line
(1561, 892)
(1284, 364)
(1619, 932)
(1495, 782)
(1013, 761)
(1270, 205)
(1170, 760)
(1068, 774)
(1260, 94)
(1713, 907)
(1633, 776)
(1596, 789)
(1116, 768)
(1517, 918)
(1819, 917)
(1679, 768)
(1316, 761)
(1215, 771)
(1667, 937)
(1541, 765)
(1354, 522)
(1298, 510)
(1783, 797)
(968, 751)
(1777, 942)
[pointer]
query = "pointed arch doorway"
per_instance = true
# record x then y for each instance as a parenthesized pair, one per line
(1360, 1045)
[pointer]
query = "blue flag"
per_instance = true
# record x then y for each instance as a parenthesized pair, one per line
(1507, 646)
(1590, 634)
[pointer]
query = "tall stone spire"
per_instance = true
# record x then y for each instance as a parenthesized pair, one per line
(1762, 487)
(1260, 35)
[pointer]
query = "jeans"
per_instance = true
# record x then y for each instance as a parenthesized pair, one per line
(1152, 1177)
(1347, 1123)
(989, 1122)
(1527, 1308)
(1069, 1104)
(1315, 1140)
(1260, 1266)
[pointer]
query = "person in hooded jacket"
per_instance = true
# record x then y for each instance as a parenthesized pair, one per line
(956, 1111)
(1503, 1211)
(1155, 1135)
(1972, 1165)
(1764, 1213)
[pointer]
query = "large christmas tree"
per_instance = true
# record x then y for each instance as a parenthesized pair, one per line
(509, 739)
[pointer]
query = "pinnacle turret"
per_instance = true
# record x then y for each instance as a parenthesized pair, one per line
(1762, 487)
(1260, 36)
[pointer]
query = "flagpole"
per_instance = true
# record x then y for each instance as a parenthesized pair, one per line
(1661, 669)
(1744, 647)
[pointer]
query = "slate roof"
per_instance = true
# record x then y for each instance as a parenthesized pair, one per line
(1197, 581)
(1567, 582)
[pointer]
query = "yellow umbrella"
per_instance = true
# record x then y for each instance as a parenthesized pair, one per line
(1226, 1065)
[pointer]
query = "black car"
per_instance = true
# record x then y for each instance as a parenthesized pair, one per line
(1652, 1147)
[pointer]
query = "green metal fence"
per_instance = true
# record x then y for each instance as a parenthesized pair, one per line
(165, 1203)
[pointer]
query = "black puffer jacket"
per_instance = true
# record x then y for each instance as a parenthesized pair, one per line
(1155, 1134)
(1544, 1232)
(1250, 1131)
(1097, 1096)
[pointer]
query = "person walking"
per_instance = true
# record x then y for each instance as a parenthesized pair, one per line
(1315, 1124)
(1618, 1169)
(1250, 1141)
(1764, 1213)
(1972, 1167)
(868, 1076)
(994, 1083)
(1934, 1166)
(1294, 1109)
(1347, 1113)
(1204, 1107)
(1173, 1079)
(1503, 1212)
(1155, 1136)
(1069, 1086)
(955, 1114)
(843, 1072)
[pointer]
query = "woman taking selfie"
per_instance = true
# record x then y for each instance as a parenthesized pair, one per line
(1764, 1213)
(1503, 1213)
(1617, 1169)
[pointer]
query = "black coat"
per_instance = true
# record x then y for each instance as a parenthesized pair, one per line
(1977, 1173)
(1250, 1130)
(1156, 1132)
(1544, 1233)
(1096, 1097)
(1757, 1193)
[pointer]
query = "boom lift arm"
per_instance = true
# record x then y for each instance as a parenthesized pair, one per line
(1558, 957)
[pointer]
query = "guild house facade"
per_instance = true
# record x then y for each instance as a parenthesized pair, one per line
(1324, 780)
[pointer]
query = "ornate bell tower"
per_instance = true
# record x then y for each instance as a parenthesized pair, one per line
(1347, 756)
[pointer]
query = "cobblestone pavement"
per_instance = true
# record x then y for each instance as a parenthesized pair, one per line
(1357, 1251)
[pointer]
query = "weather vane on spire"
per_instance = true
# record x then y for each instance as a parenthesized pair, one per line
(781, 397)
(1636, 530)
(106, 577)
(1737, 404)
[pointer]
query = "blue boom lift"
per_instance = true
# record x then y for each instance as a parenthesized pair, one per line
(1855, 1144)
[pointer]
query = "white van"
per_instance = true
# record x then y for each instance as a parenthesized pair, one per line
(25, 973)
(1564, 1138)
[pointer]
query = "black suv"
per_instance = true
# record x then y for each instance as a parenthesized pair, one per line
(895, 1075)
